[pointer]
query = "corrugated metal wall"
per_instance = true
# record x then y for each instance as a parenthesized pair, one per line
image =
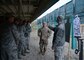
(65, 10)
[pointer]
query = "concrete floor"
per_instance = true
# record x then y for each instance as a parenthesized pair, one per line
(34, 50)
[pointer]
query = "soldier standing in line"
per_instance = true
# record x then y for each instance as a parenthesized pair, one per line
(16, 35)
(44, 34)
(8, 45)
(21, 45)
(15, 31)
(25, 35)
(28, 29)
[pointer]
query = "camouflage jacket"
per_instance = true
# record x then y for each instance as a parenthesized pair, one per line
(44, 33)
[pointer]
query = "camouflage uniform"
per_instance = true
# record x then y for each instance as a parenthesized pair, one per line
(26, 36)
(17, 37)
(8, 45)
(58, 41)
(16, 34)
(28, 30)
(22, 40)
(44, 34)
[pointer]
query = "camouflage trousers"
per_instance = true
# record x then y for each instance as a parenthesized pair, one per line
(59, 53)
(21, 47)
(27, 42)
(43, 46)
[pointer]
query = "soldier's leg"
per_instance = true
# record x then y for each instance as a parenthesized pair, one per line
(19, 50)
(58, 53)
(45, 43)
(23, 50)
(22, 45)
(41, 47)
(26, 45)
(28, 42)
(45, 48)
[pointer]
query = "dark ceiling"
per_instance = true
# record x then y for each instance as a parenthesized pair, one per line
(25, 9)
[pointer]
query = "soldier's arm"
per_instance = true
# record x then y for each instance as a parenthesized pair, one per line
(49, 32)
(52, 28)
(39, 32)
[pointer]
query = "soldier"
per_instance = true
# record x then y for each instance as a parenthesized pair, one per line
(8, 45)
(28, 28)
(16, 35)
(22, 40)
(15, 31)
(25, 35)
(58, 39)
(44, 34)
